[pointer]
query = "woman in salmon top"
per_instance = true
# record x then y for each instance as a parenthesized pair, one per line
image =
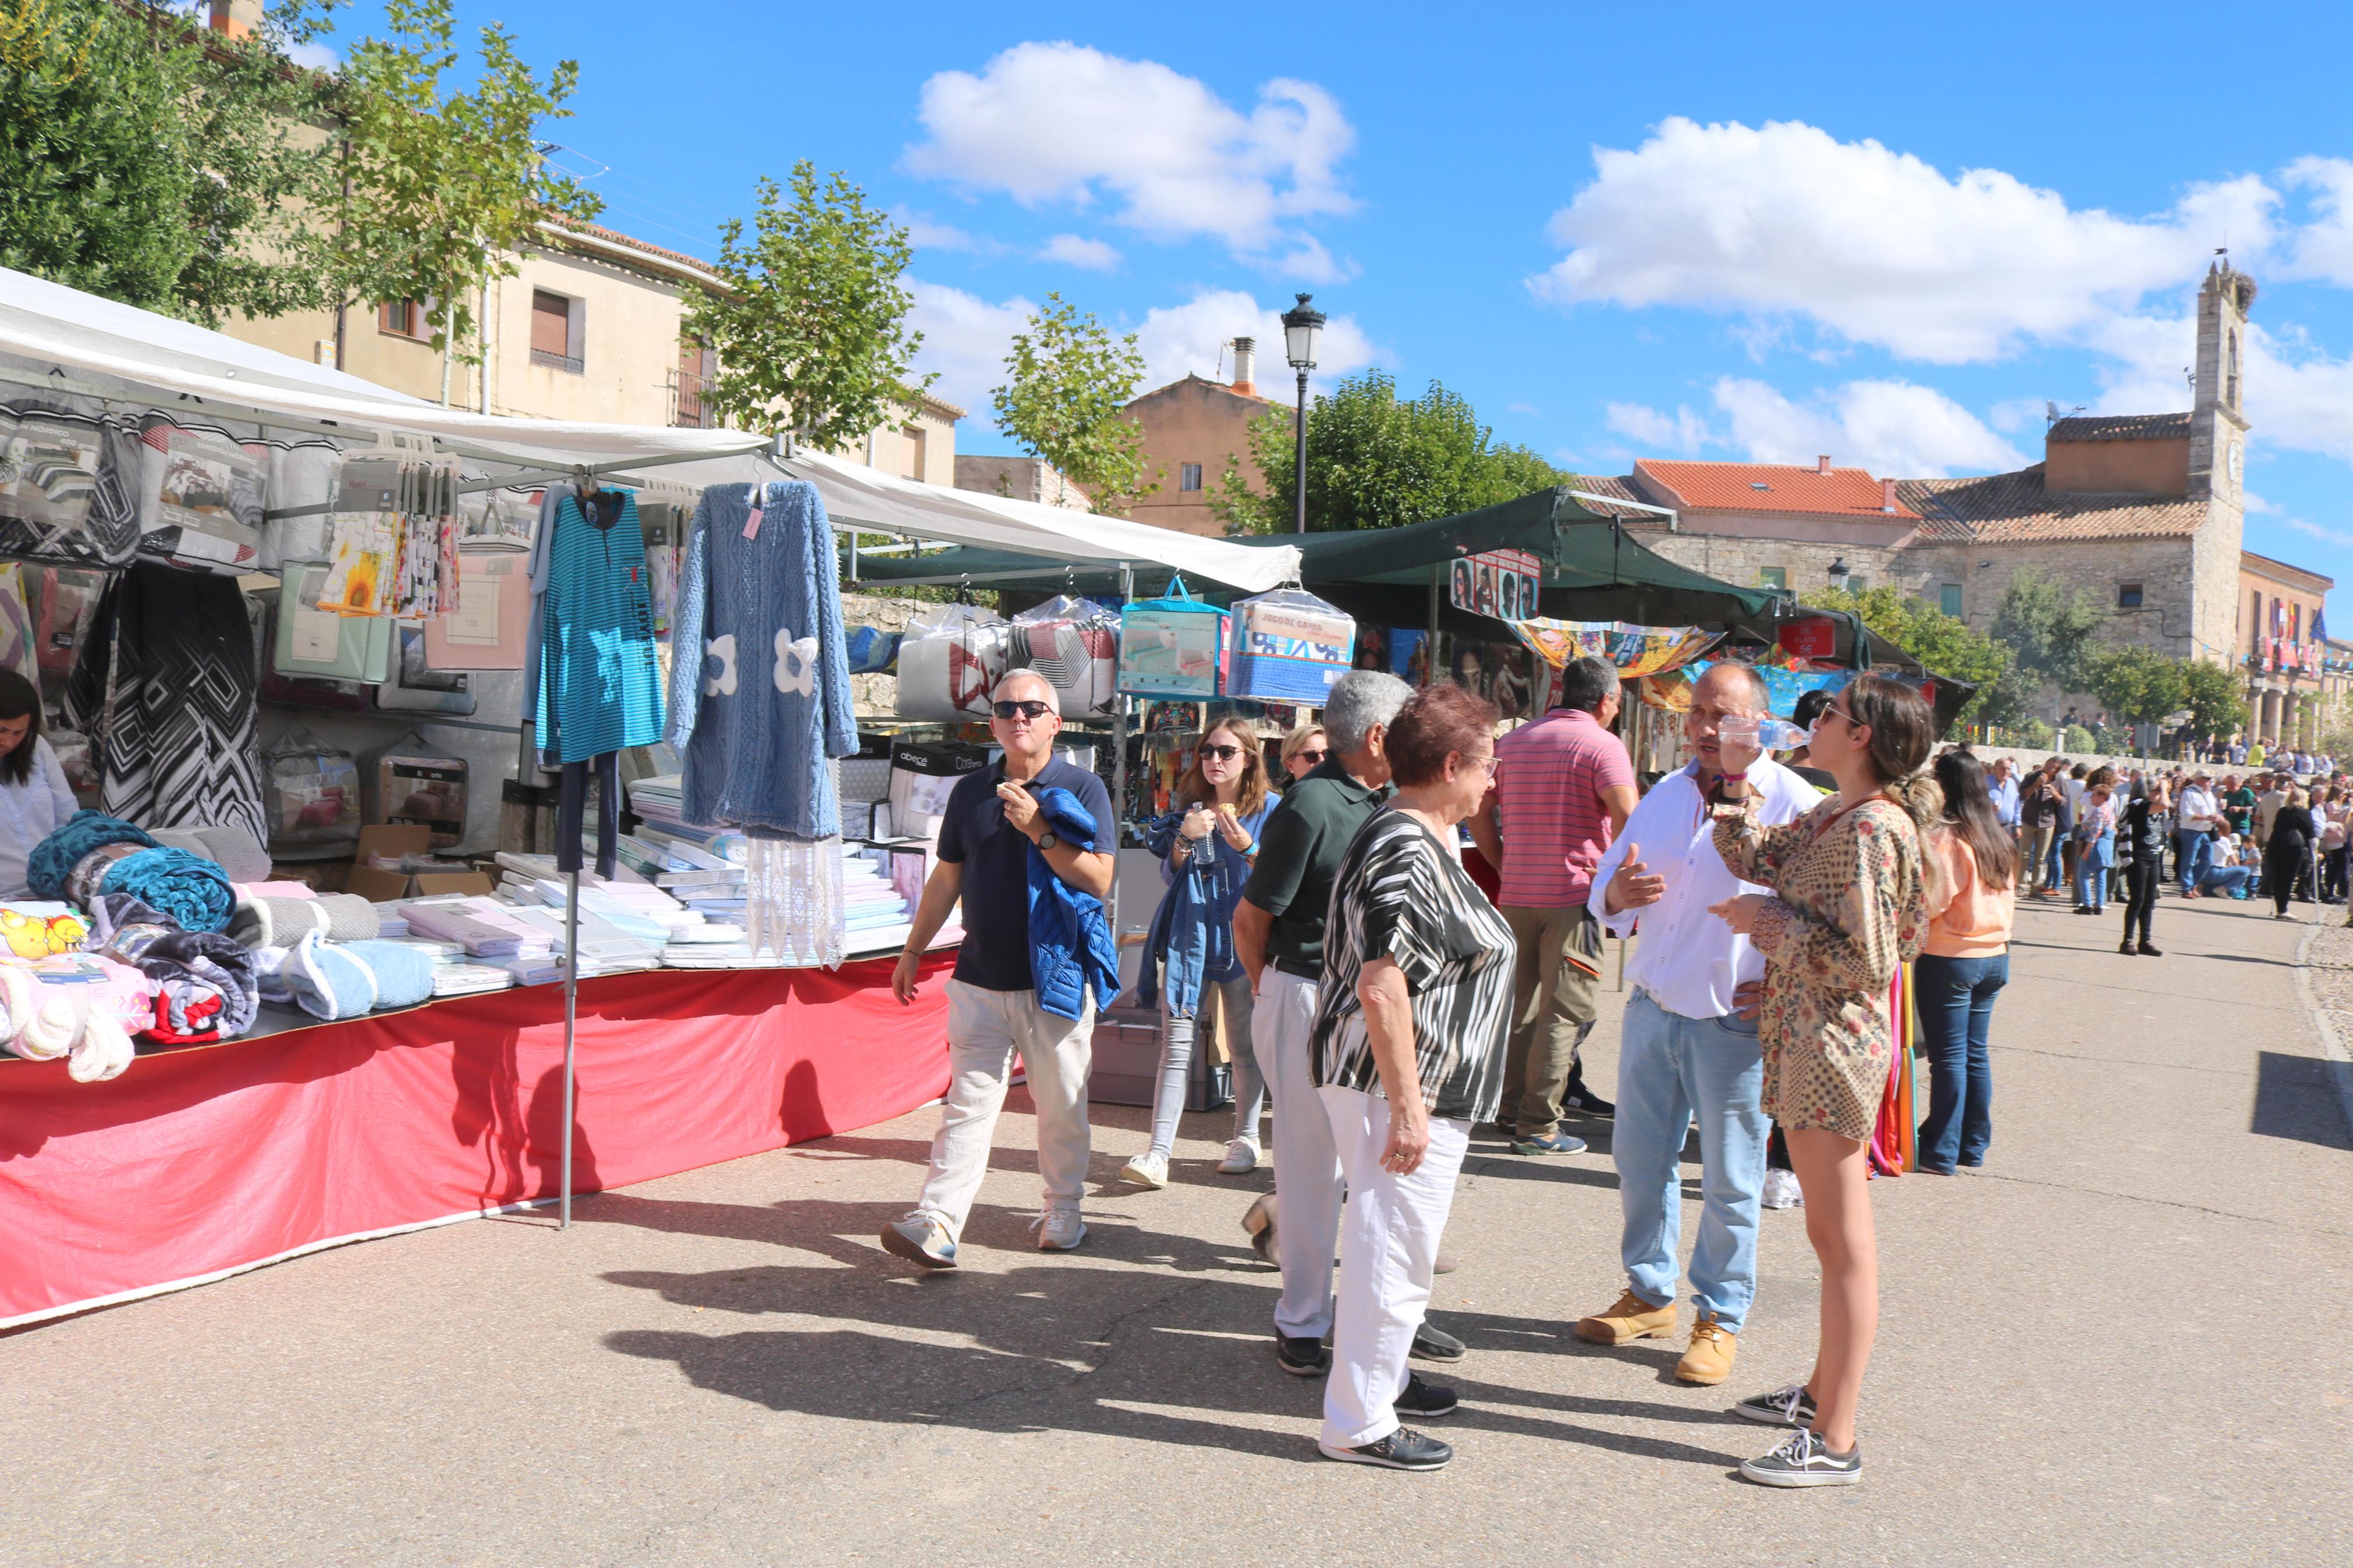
(1964, 964)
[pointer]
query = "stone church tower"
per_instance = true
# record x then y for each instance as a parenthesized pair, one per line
(2218, 459)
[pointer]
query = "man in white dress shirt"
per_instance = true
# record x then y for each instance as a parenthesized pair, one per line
(1688, 1045)
(2196, 816)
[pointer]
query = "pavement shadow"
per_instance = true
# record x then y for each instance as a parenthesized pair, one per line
(2295, 1098)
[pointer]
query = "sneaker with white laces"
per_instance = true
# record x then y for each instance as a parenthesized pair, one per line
(1790, 1406)
(1805, 1460)
(920, 1239)
(1059, 1229)
(1149, 1169)
(1241, 1158)
(1781, 1190)
(1403, 1449)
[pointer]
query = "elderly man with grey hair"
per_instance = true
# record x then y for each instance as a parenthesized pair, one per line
(1279, 936)
(1688, 1048)
(1013, 990)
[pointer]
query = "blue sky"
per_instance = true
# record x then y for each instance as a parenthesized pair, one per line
(1889, 233)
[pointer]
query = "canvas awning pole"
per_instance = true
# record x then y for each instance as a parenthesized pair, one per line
(1118, 760)
(571, 1021)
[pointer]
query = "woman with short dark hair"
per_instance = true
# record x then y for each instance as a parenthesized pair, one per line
(35, 799)
(1408, 1051)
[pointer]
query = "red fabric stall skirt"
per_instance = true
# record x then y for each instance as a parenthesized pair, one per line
(203, 1161)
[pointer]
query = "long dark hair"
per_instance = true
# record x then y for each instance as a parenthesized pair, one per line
(1969, 811)
(18, 699)
(1902, 728)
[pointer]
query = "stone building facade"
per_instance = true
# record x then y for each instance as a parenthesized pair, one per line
(1192, 428)
(2285, 650)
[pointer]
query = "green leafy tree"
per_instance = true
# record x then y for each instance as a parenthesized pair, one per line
(2051, 630)
(148, 159)
(1375, 460)
(1943, 644)
(445, 186)
(2217, 699)
(811, 326)
(1068, 382)
(2139, 685)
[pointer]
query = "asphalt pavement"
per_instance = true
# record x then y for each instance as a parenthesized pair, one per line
(2122, 1342)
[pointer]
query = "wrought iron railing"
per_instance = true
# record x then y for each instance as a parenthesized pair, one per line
(549, 358)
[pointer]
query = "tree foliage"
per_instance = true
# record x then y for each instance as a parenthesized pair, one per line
(2137, 684)
(2216, 698)
(1066, 383)
(445, 186)
(1376, 460)
(147, 159)
(811, 327)
(2049, 630)
(1943, 644)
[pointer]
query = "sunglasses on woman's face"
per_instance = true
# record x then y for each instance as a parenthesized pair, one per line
(1032, 709)
(1222, 753)
(1311, 758)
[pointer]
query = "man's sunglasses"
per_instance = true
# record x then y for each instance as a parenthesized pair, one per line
(1222, 753)
(1032, 710)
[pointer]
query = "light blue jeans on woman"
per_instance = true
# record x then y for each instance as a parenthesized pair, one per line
(1177, 1037)
(2091, 863)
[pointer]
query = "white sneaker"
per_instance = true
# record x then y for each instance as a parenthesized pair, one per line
(1242, 1157)
(1781, 1190)
(1058, 1229)
(1146, 1170)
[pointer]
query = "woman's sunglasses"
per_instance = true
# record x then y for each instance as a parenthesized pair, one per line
(1032, 709)
(1222, 753)
(1312, 757)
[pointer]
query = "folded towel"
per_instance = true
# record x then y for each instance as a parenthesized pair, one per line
(343, 980)
(102, 1052)
(279, 922)
(191, 889)
(54, 859)
(203, 982)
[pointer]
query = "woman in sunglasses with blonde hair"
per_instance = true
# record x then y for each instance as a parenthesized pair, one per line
(1207, 844)
(1303, 751)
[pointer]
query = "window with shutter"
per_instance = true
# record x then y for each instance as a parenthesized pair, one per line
(551, 331)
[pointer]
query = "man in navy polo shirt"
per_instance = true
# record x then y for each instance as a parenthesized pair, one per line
(992, 824)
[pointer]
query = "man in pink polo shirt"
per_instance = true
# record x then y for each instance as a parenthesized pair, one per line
(1564, 787)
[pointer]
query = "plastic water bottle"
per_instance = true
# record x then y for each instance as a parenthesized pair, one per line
(1767, 734)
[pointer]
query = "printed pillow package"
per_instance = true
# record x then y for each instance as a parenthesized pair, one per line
(316, 642)
(1074, 644)
(1290, 647)
(950, 662)
(1172, 647)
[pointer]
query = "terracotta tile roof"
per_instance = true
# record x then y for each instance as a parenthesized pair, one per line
(1770, 487)
(2285, 572)
(2119, 427)
(2014, 508)
(615, 236)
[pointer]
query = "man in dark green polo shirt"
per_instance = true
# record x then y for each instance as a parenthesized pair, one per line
(1279, 937)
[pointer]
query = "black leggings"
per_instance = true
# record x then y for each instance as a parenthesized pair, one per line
(2284, 867)
(2141, 880)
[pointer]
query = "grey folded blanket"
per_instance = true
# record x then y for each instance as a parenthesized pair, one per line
(281, 922)
(232, 849)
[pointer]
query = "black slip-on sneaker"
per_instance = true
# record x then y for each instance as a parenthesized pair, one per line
(1302, 1355)
(1426, 1401)
(1403, 1449)
(1431, 1343)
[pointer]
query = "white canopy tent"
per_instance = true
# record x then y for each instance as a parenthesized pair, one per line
(78, 344)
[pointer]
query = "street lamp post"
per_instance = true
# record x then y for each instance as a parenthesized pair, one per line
(1300, 326)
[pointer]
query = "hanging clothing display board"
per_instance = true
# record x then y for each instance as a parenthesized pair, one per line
(761, 716)
(165, 687)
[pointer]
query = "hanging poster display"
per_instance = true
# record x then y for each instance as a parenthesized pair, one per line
(1503, 583)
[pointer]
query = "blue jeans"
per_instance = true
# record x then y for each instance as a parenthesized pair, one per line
(2231, 879)
(2057, 872)
(1956, 1002)
(1670, 1067)
(2092, 871)
(2193, 856)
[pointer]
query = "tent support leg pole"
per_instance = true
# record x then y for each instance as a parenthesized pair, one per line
(1430, 657)
(1118, 762)
(570, 1019)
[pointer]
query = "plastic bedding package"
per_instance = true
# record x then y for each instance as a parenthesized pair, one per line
(950, 661)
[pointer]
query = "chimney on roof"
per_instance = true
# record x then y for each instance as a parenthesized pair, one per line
(1887, 495)
(1245, 365)
(236, 19)
(1822, 464)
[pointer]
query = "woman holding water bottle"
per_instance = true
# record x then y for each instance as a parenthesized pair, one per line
(1207, 846)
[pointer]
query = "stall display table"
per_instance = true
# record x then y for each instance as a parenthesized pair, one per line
(201, 1163)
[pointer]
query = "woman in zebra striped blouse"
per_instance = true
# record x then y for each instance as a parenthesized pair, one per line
(1408, 1051)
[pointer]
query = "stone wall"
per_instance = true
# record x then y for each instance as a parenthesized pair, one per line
(2167, 569)
(1742, 561)
(2214, 619)
(876, 695)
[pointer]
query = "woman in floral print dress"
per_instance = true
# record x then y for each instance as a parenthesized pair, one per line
(1848, 907)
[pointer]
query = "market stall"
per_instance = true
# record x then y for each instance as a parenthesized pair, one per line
(216, 533)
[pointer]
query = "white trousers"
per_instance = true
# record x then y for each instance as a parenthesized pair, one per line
(1388, 1250)
(986, 1030)
(1307, 1169)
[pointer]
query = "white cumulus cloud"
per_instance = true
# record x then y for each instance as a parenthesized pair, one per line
(1177, 340)
(1894, 429)
(1681, 433)
(1076, 250)
(2297, 395)
(964, 339)
(1059, 123)
(1873, 246)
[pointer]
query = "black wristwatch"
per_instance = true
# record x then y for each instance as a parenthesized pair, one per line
(1048, 839)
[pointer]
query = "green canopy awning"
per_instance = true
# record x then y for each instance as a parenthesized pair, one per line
(1593, 570)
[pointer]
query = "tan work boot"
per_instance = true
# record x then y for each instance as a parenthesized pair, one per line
(1632, 1319)
(1713, 1346)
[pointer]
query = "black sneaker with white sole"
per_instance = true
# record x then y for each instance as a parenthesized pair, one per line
(1805, 1460)
(1790, 1406)
(1435, 1345)
(1403, 1449)
(1302, 1355)
(1426, 1401)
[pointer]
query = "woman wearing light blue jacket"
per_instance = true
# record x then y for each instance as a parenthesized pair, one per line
(1206, 844)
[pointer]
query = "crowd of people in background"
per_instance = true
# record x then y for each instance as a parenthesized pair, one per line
(1398, 918)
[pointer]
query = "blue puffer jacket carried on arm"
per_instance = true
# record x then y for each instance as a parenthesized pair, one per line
(1071, 948)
